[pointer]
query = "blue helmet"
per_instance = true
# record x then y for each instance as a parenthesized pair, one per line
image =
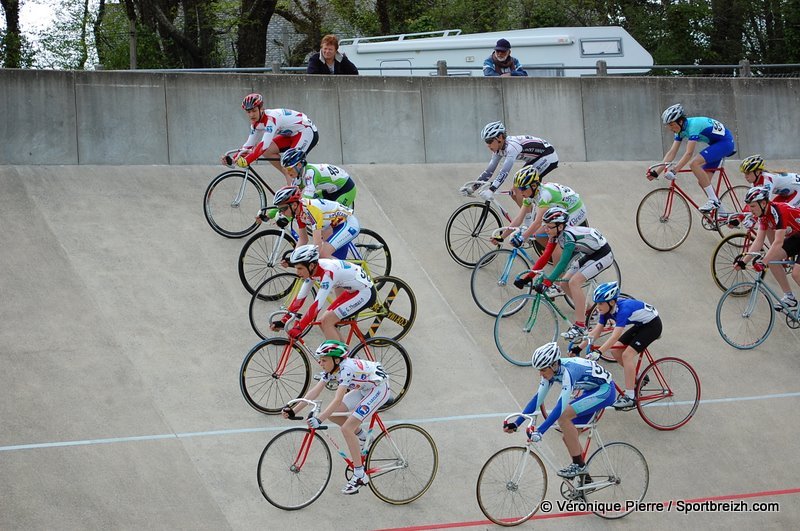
(292, 157)
(606, 292)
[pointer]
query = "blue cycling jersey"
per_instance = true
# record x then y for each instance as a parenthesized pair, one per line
(573, 374)
(629, 311)
(702, 129)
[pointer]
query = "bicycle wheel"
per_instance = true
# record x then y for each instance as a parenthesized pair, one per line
(402, 463)
(732, 200)
(273, 372)
(226, 215)
(745, 322)
(492, 280)
(511, 486)
(663, 219)
(468, 230)
(273, 295)
(395, 362)
(621, 474)
(374, 250)
(394, 311)
(261, 257)
(524, 323)
(294, 469)
(668, 393)
(722, 259)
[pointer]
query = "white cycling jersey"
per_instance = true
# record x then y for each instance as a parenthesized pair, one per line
(783, 185)
(523, 147)
(355, 373)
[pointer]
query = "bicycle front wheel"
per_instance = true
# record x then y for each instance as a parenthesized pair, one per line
(618, 473)
(294, 469)
(261, 257)
(227, 212)
(663, 219)
(273, 372)
(395, 362)
(524, 323)
(725, 253)
(273, 295)
(668, 393)
(745, 322)
(468, 231)
(492, 280)
(374, 250)
(394, 311)
(511, 486)
(402, 464)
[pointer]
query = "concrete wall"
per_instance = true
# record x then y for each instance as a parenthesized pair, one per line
(53, 117)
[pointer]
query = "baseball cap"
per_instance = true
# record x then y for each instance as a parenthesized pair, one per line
(502, 45)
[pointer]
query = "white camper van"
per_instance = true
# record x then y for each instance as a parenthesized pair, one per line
(551, 49)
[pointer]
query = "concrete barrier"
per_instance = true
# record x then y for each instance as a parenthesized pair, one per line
(57, 117)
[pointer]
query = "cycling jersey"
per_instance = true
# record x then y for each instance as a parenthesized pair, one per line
(576, 241)
(331, 274)
(325, 181)
(523, 147)
(719, 139)
(553, 194)
(282, 126)
(629, 311)
(781, 186)
(321, 214)
(781, 216)
(356, 373)
(573, 374)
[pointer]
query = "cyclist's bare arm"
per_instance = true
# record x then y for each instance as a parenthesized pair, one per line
(517, 221)
(312, 394)
(687, 156)
(758, 243)
(612, 339)
(334, 405)
(536, 225)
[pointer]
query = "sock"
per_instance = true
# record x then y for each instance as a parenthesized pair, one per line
(358, 472)
(578, 460)
(580, 323)
(629, 393)
(360, 433)
(789, 294)
(711, 193)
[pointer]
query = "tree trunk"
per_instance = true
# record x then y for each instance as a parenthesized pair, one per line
(12, 41)
(251, 43)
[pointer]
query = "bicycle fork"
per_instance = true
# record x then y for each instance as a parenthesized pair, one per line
(481, 221)
(240, 195)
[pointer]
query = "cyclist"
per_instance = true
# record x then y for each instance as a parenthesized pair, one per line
(696, 129)
(324, 181)
(646, 328)
(333, 225)
(783, 187)
(585, 254)
(363, 388)
(534, 151)
(594, 389)
(784, 220)
(355, 292)
(273, 131)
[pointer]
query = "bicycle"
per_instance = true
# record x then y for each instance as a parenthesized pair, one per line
(746, 311)
(277, 369)
(393, 313)
(663, 219)
(232, 199)
(521, 325)
(512, 484)
(467, 232)
(295, 466)
(261, 255)
(489, 282)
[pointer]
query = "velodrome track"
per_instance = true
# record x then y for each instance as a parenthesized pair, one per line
(124, 325)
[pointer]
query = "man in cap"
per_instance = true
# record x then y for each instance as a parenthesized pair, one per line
(500, 63)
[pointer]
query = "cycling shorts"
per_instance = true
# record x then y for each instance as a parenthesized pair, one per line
(544, 164)
(586, 404)
(366, 401)
(351, 302)
(717, 151)
(304, 141)
(591, 265)
(640, 336)
(791, 245)
(343, 234)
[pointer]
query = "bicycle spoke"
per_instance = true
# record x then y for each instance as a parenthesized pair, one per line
(618, 473)
(668, 393)
(272, 373)
(745, 322)
(223, 213)
(511, 486)
(462, 246)
(523, 324)
(492, 279)
(402, 464)
(663, 219)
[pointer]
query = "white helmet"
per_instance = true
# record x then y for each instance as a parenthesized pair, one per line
(304, 254)
(492, 130)
(546, 355)
(672, 113)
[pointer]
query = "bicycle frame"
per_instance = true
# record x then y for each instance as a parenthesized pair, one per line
(674, 188)
(758, 282)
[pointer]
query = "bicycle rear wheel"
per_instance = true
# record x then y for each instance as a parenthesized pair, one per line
(492, 280)
(402, 464)
(272, 373)
(725, 253)
(293, 471)
(732, 200)
(261, 257)
(667, 394)
(663, 219)
(394, 311)
(524, 323)
(468, 230)
(374, 250)
(223, 213)
(745, 322)
(511, 486)
(621, 474)
(395, 362)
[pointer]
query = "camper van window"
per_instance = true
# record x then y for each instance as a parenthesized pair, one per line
(601, 47)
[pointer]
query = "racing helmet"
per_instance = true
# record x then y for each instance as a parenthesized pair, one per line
(606, 292)
(331, 348)
(545, 356)
(252, 100)
(304, 254)
(555, 214)
(492, 130)
(672, 113)
(527, 177)
(751, 164)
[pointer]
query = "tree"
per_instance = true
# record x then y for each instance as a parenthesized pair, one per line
(68, 43)
(251, 43)
(11, 43)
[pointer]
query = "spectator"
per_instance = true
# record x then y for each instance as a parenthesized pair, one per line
(500, 63)
(329, 60)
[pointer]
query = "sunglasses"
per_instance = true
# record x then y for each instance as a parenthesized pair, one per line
(551, 227)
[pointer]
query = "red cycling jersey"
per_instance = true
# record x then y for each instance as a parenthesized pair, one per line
(781, 216)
